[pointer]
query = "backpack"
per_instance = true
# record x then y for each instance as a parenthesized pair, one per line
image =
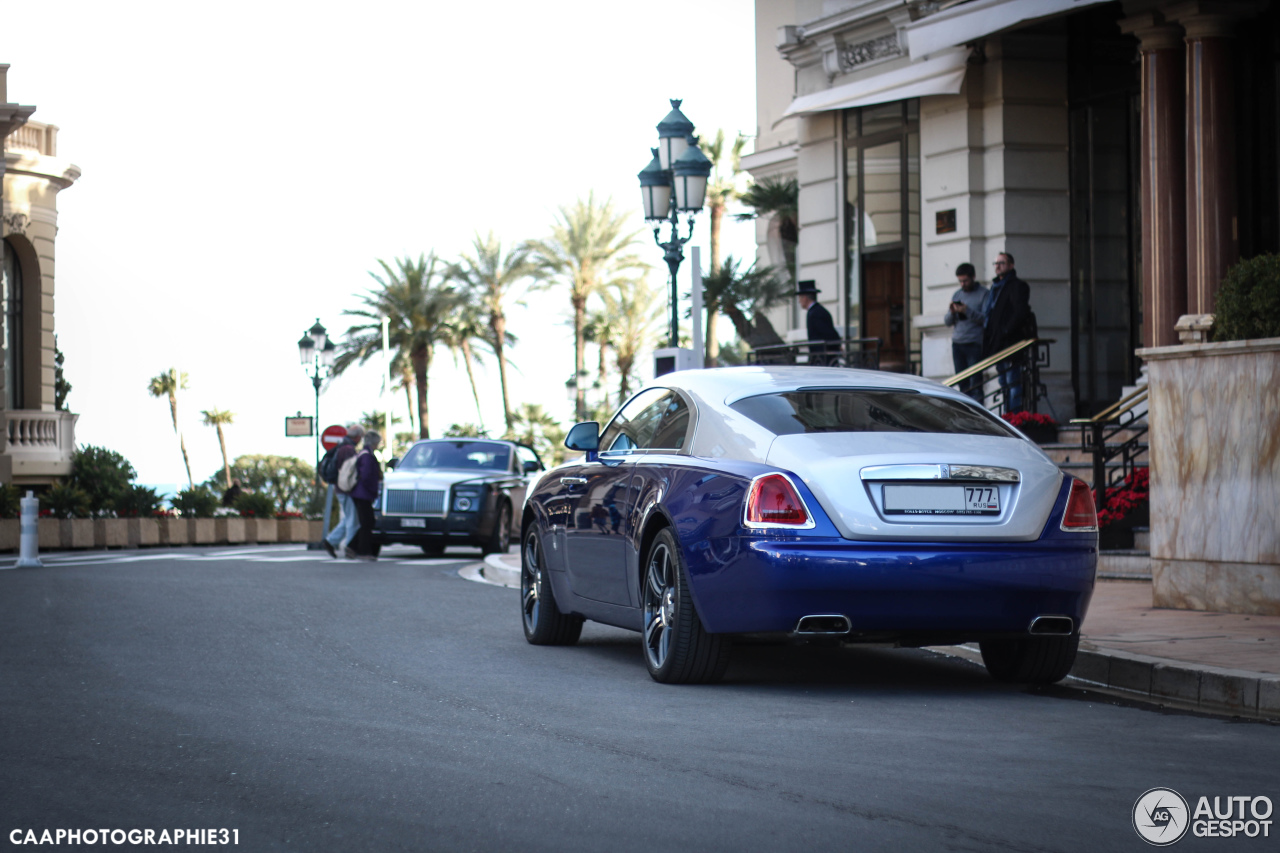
(348, 475)
(329, 466)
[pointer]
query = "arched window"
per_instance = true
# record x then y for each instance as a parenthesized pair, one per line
(11, 333)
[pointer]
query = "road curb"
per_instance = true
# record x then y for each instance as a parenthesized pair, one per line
(497, 570)
(1200, 686)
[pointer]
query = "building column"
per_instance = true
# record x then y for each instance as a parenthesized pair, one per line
(1212, 237)
(1163, 177)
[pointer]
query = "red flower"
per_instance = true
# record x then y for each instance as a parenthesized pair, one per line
(1022, 419)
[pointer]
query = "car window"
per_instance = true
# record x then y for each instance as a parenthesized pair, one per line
(523, 455)
(634, 425)
(673, 425)
(867, 410)
(483, 455)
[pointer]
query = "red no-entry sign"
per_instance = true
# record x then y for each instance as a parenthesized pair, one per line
(332, 436)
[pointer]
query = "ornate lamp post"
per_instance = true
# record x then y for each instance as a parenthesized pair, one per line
(675, 181)
(317, 353)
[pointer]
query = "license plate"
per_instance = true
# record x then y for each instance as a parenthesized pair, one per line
(413, 522)
(941, 500)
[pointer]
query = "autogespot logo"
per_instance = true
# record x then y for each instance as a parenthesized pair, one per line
(1160, 816)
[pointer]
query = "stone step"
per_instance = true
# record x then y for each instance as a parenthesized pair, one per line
(1063, 453)
(1142, 538)
(1127, 565)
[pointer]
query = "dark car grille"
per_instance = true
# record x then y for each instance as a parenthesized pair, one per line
(415, 502)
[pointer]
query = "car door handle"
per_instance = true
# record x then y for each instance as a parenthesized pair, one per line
(573, 481)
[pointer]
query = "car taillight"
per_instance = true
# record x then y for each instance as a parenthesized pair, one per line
(773, 500)
(1081, 513)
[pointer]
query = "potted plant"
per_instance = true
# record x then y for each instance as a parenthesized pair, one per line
(1041, 429)
(10, 513)
(259, 512)
(292, 526)
(197, 506)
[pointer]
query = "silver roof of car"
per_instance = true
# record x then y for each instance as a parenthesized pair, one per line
(731, 384)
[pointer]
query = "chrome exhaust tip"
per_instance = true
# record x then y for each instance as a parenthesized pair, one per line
(1054, 626)
(823, 625)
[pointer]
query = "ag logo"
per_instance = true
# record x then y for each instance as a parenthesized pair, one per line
(1161, 817)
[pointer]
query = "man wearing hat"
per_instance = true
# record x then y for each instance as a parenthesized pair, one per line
(818, 323)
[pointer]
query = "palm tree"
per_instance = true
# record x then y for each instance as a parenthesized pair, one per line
(466, 325)
(601, 323)
(745, 297)
(419, 302)
(491, 278)
(217, 418)
(168, 384)
(721, 189)
(637, 310)
(778, 199)
(589, 248)
(539, 430)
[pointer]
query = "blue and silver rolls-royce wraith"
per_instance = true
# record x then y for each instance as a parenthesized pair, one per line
(455, 491)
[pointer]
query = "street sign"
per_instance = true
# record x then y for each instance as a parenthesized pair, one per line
(332, 436)
(303, 425)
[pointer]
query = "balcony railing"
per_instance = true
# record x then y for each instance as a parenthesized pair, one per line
(40, 443)
(850, 352)
(34, 136)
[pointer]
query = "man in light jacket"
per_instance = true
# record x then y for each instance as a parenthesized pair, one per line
(967, 315)
(345, 530)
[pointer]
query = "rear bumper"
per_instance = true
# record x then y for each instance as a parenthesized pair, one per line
(951, 591)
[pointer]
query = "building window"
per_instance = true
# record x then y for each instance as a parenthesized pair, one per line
(11, 334)
(882, 229)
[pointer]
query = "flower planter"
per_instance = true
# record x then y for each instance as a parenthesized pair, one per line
(1040, 433)
(263, 530)
(201, 531)
(143, 532)
(10, 529)
(291, 529)
(315, 531)
(1115, 537)
(110, 533)
(50, 534)
(1214, 411)
(229, 530)
(173, 531)
(76, 533)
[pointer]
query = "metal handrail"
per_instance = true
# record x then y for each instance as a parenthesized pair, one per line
(1107, 424)
(865, 351)
(1109, 412)
(992, 361)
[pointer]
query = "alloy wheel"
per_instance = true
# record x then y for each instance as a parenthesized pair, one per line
(531, 582)
(660, 606)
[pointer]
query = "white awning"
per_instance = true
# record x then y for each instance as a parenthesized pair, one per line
(941, 74)
(969, 21)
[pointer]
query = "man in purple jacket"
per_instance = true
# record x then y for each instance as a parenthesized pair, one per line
(365, 492)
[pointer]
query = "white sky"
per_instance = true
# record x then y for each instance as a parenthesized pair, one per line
(245, 164)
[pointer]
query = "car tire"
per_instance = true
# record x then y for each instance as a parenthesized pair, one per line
(544, 624)
(500, 538)
(1030, 660)
(677, 648)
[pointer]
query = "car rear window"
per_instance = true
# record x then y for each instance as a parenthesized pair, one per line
(458, 454)
(867, 410)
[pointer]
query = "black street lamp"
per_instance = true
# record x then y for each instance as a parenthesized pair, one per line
(317, 353)
(674, 181)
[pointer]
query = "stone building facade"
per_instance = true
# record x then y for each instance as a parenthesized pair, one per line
(1123, 152)
(37, 440)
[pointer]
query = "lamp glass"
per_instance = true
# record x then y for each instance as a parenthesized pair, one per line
(328, 354)
(691, 192)
(670, 148)
(318, 334)
(306, 349)
(657, 201)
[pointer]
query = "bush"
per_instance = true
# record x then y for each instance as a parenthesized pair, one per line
(1248, 303)
(287, 480)
(256, 505)
(103, 475)
(9, 497)
(67, 501)
(138, 502)
(198, 502)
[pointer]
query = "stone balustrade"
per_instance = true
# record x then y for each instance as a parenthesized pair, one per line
(40, 444)
(34, 136)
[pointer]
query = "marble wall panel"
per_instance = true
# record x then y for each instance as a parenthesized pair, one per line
(1208, 585)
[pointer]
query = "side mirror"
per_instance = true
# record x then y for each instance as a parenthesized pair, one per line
(530, 466)
(392, 463)
(584, 436)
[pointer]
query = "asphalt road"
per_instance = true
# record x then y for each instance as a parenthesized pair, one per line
(321, 705)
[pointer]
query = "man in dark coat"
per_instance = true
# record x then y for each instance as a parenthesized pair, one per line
(818, 324)
(1008, 311)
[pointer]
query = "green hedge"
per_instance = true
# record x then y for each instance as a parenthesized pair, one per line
(1248, 303)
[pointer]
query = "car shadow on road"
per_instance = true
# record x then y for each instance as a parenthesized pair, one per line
(758, 662)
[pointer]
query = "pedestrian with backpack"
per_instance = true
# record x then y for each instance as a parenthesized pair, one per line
(366, 472)
(345, 530)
